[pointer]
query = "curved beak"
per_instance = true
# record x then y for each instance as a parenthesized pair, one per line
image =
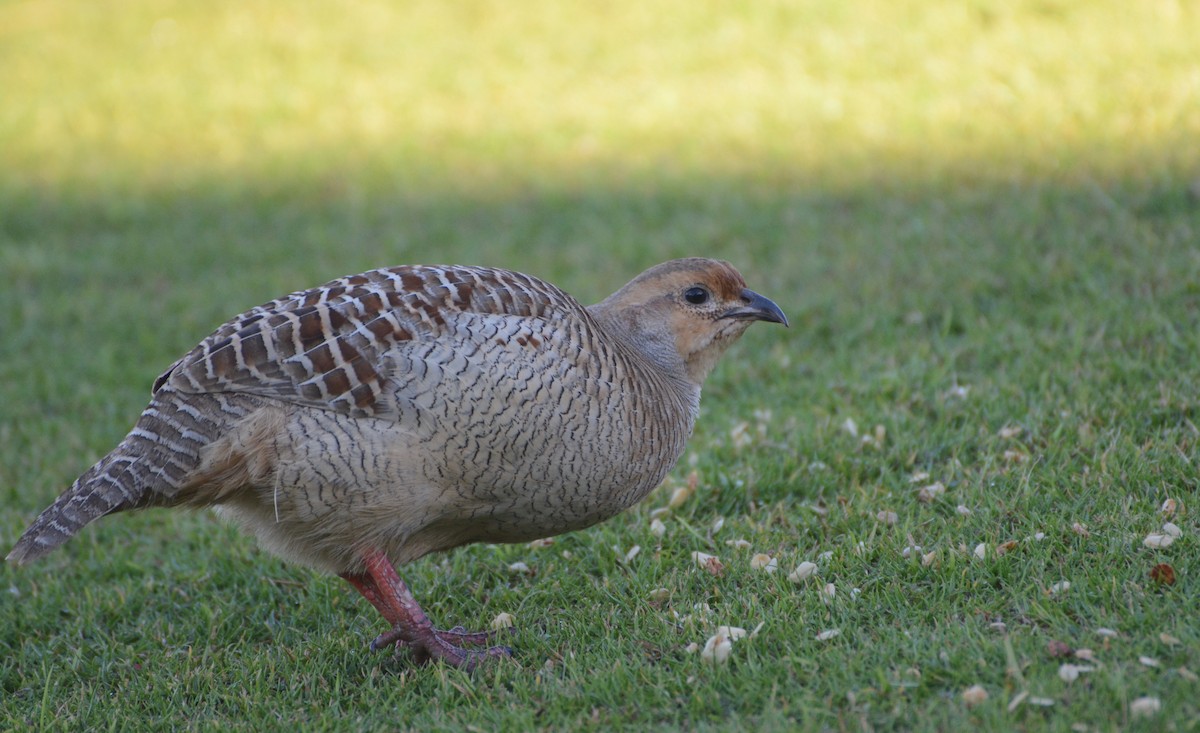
(757, 308)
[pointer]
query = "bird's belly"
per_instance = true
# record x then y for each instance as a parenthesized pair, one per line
(340, 485)
(521, 496)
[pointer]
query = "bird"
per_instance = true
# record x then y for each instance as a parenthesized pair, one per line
(360, 425)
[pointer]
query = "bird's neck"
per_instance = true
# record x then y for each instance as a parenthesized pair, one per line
(655, 351)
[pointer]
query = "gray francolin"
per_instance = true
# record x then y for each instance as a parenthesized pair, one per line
(380, 417)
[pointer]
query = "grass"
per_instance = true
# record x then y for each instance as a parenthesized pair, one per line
(981, 217)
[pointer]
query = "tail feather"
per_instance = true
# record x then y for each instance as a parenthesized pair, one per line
(93, 495)
(150, 467)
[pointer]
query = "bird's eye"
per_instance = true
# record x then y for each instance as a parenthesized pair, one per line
(696, 295)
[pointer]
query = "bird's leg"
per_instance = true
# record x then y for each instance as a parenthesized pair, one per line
(365, 584)
(411, 628)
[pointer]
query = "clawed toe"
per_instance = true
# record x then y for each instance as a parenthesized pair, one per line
(459, 636)
(449, 645)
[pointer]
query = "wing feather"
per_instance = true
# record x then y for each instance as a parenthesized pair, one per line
(325, 347)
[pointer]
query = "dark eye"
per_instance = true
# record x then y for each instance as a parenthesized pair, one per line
(696, 295)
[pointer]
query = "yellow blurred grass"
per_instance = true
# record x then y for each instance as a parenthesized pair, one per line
(487, 93)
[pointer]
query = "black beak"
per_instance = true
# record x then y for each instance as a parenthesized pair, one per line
(757, 308)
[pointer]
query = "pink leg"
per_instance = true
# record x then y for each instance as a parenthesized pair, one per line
(411, 628)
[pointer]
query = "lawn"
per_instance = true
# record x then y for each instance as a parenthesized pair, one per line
(982, 218)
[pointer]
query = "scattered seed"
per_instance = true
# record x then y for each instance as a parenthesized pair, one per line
(981, 550)
(658, 595)
(503, 620)
(1168, 508)
(888, 518)
(825, 556)
(1163, 574)
(1015, 456)
(1172, 530)
(737, 544)
(1107, 633)
(1044, 702)
(757, 629)
(828, 634)
(918, 477)
(717, 524)
(928, 558)
(998, 626)
(1158, 541)
(1145, 707)
(740, 435)
(910, 550)
(927, 494)
(633, 552)
(1169, 640)
(544, 542)
(717, 649)
(1148, 661)
(681, 494)
(661, 511)
(802, 571)
(678, 497)
(1056, 649)
(709, 563)
(1039, 536)
(962, 509)
(1017, 699)
(1009, 431)
(1086, 655)
(657, 528)
(733, 632)
(692, 648)
(1068, 673)
(1005, 547)
(850, 427)
(1188, 674)
(520, 567)
(974, 695)
(828, 593)
(1060, 587)
(1080, 529)
(764, 562)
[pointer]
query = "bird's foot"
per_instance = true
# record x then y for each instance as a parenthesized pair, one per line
(411, 629)
(448, 646)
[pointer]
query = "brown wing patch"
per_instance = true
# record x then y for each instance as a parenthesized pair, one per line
(326, 347)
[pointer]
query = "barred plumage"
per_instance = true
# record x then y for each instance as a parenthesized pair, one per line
(402, 411)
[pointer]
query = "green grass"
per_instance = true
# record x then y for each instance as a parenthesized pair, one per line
(978, 216)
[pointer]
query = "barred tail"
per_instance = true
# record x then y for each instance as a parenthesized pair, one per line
(148, 468)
